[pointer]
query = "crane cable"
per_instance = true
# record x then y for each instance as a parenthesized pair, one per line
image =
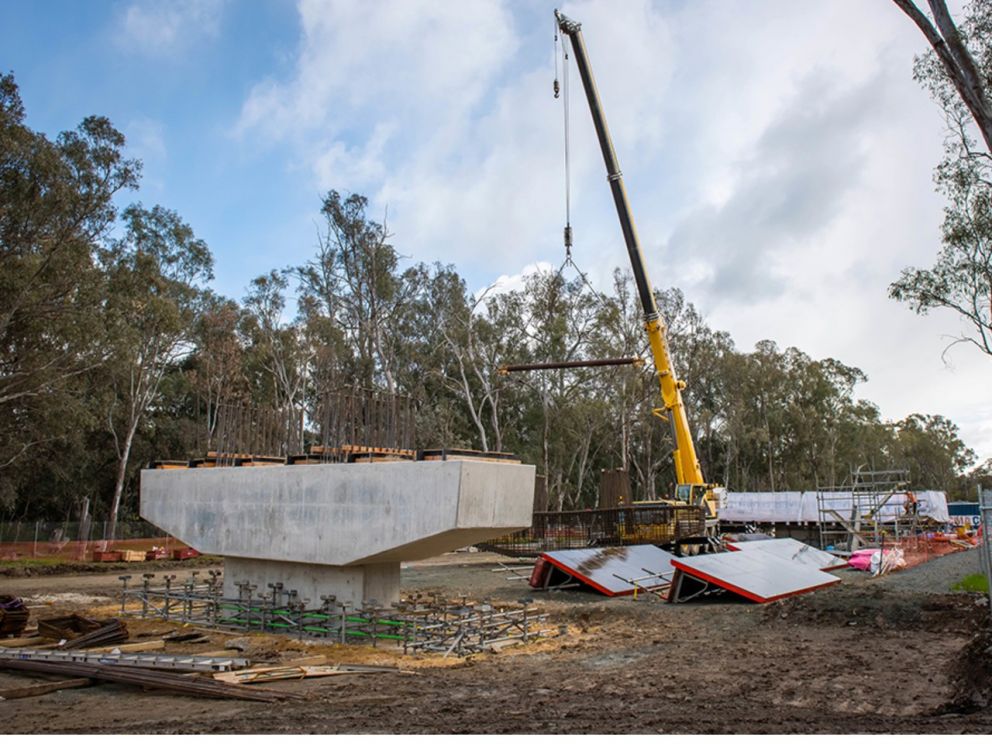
(563, 91)
(568, 165)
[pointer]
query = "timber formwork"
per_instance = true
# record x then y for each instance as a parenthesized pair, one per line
(419, 624)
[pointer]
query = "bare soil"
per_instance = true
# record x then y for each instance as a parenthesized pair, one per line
(868, 655)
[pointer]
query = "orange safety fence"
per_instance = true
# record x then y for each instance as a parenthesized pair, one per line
(84, 550)
(922, 548)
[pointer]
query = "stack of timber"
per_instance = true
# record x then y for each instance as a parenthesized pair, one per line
(148, 678)
(81, 632)
(13, 615)
(446, 453)
(206, 675)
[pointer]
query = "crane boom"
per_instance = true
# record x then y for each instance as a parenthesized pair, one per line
(687, 469)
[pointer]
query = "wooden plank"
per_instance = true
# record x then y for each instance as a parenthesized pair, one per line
(223, 653)
(317, 660)
(24, 642)
(471, 458)
(130, 648)
(273, 674)
(16, 693)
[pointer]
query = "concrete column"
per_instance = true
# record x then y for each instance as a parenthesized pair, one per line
(379, 582)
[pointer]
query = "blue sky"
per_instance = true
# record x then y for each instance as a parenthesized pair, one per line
(176, 99)
(777, 153)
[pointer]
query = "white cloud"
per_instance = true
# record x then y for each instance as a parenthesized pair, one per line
(157, 28)
(146, 139)
(506, 283)
(778, 157)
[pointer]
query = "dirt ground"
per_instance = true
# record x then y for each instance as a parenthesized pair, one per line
(892, 655)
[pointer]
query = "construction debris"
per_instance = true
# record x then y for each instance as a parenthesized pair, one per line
(77, 631)
(276, 673)
(16, 693)
(66, 627)
(194, 636)
(13, 615)
(876, 560)
(186, 663)
(24, 642)
(149, 678)
(128, 648)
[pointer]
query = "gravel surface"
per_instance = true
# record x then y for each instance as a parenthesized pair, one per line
(935, 576)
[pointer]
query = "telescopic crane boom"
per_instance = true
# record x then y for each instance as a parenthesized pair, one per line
(691, 486)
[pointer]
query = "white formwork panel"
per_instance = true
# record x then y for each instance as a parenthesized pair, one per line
(793, 550)
(755, 574)
(606, 569)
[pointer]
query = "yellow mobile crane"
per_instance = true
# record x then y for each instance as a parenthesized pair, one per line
(691, 487)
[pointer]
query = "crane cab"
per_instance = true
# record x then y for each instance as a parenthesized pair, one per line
(707, 495)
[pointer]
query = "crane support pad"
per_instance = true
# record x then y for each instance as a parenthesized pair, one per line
(606, 569)
(793, 550)
(754, 574)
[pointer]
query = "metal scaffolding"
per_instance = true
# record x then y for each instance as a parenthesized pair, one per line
(856, 516)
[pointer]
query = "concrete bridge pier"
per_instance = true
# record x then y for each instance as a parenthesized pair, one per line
(336, 529)
(378, 582)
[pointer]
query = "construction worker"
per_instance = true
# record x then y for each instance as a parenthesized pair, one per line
(911, 505)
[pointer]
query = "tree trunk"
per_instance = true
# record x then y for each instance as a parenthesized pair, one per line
(121, 476)
(957, 61)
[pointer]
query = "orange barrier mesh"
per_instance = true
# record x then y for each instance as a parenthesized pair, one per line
(83, 550)
(922, 548)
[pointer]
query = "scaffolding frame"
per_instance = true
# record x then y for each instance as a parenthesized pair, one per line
(855, 514)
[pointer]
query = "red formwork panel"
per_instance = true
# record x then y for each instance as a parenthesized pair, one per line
(754, 574)
(793, 550)
(606, 569)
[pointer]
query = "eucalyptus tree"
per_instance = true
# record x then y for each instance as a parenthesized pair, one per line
(154, 297)
(56, 206)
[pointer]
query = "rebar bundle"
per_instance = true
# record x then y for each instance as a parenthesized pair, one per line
(373, 422)
(241, 430)
(13, 615)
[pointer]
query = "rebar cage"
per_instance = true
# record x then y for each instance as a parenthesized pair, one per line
(647, 524)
